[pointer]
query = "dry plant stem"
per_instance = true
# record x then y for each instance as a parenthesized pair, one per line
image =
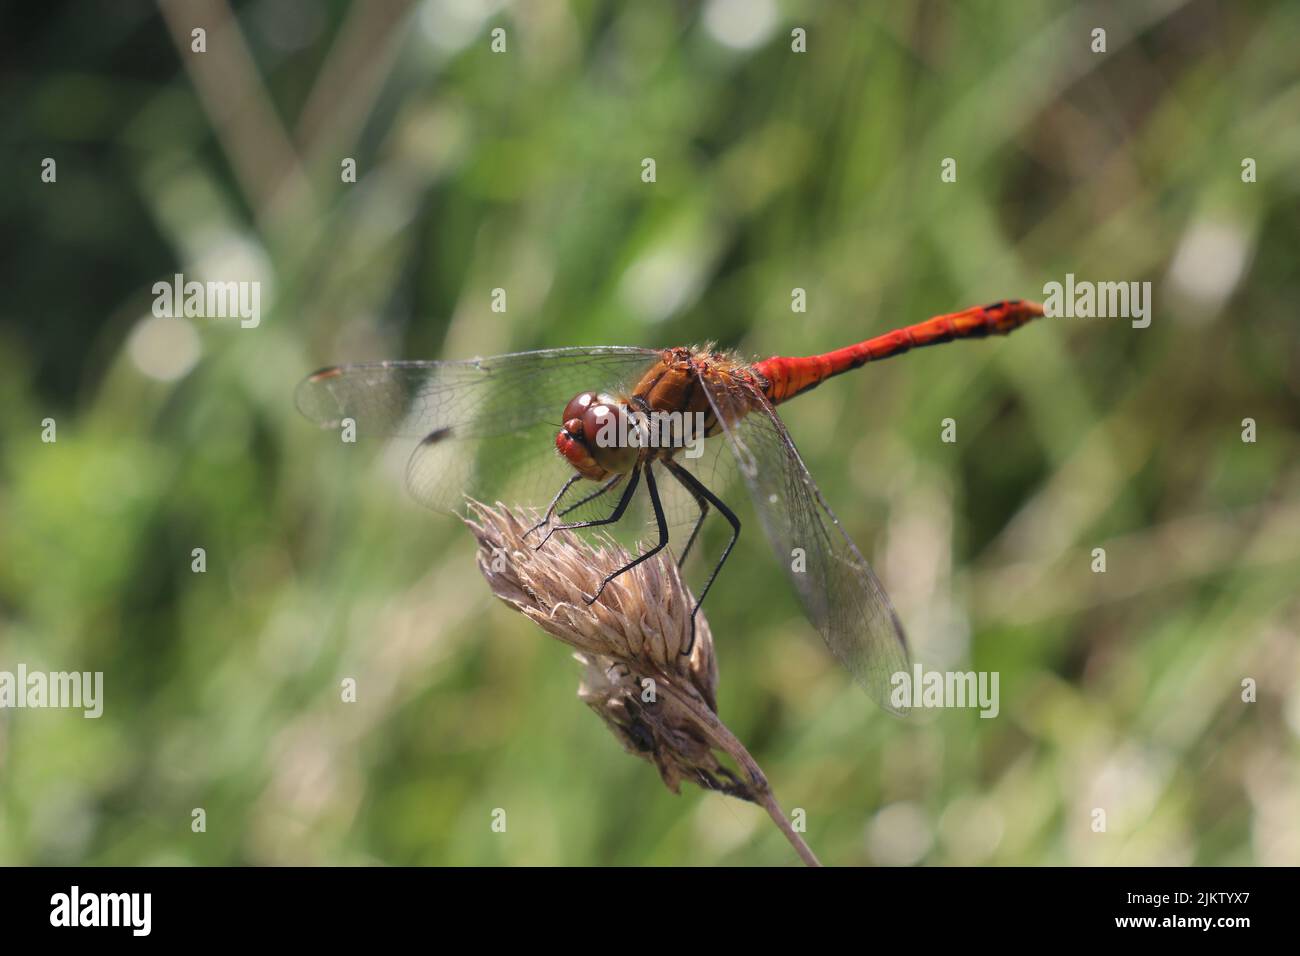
(250, 132)
(762, 791)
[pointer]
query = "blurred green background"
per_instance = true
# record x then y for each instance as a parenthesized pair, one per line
(775, 170)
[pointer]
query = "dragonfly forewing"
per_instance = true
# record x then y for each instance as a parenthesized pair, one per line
(483, 428)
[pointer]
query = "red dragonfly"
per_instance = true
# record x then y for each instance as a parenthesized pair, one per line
(486, 429)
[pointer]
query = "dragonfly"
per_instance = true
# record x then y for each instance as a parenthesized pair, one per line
(636, 418)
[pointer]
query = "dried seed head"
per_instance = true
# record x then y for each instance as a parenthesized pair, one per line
(659, 702)
(643, 617)
(630, 642)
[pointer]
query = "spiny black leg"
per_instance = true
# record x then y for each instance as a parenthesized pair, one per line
(699, 523)
(546, 519)
(694, 485)
(618, 511)
(660, 520)
(594, 495)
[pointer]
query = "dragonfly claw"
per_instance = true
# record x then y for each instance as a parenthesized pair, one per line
(593, 598)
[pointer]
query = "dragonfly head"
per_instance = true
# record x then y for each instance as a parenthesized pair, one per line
(594, 437)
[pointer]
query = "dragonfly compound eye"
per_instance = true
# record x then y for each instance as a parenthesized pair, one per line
(577, 406)
(606, 431)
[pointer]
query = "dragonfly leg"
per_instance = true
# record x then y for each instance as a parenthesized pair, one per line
(696, 487)
(699, 522)
(617, 513)
(594, 495)
(660, 520)
(550, 510)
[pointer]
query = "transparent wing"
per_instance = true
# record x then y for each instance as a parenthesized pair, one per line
(485, 427)
(838, 590)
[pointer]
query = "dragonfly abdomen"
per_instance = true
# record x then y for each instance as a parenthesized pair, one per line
(788, 376)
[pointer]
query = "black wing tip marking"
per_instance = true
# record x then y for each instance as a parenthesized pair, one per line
(435, 436)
